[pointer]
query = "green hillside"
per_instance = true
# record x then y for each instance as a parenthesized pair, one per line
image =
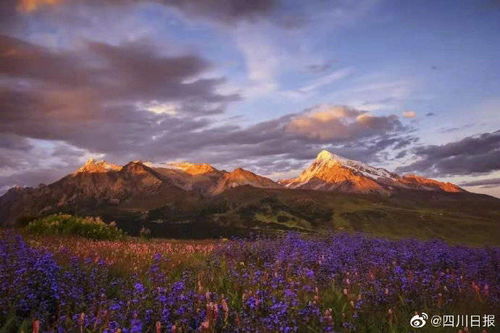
(455, 218)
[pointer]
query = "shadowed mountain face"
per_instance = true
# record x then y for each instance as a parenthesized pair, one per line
(101, 186)
(91, 187)
(197, 200)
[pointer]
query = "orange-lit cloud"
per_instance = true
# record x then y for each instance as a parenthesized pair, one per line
(339, 122)
(409, 114)
(28, 6)
(221, 10)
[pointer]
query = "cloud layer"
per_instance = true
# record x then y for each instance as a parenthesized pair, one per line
(267, 147)
(485, 183)
(341, 123)
(84, 96)
(131, 102)
(218, 81)
(471, 155)
(220, 10)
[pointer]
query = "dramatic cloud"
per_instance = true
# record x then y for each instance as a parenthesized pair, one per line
(261, 146)
(132, 71)
(9, 141)
(340, 123)
(268, 147)
(70, 88)
(82, 96)
(485, 183)
(281, 13)
(31, 162)
(220, 10)
(32, 5)
(126, 101)
(471, 155)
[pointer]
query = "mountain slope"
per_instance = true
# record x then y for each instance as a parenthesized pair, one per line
(94, 166)
(195, 168)
(240, 177)
(199, 178)
(197, 200)
(426, 184)
(462, 218)
(99, 186)
(330, 172)
(89, 189)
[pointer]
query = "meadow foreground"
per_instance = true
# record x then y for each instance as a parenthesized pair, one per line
(339, 283)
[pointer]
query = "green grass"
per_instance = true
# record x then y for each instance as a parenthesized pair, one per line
(455, 218)
(65, 224)
(463, 220)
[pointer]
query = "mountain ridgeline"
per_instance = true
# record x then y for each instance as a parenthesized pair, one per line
(198, 200)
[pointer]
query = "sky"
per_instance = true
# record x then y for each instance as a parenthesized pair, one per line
(412, 86)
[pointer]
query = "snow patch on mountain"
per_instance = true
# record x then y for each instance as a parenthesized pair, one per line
(325, 158)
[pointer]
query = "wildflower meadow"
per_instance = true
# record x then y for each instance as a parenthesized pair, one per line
(339, 283)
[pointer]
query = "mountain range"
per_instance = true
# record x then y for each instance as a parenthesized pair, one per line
(181, 198)
(330, 172)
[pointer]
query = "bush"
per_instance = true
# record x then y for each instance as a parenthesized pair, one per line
(65, 224)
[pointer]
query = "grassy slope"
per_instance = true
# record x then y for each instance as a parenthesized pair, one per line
(456, 219)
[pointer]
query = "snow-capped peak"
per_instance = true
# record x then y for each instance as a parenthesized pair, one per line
(326, 158)
(325, 155)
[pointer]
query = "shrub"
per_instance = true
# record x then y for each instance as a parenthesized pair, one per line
(65, 224)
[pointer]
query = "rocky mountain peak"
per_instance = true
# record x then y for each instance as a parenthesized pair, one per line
(429, 184)
(241, 171)
(331, 167)
(240, 177)
(136, 167)
(326, 156)
(93, 166)
(331, 172)
(194, 168)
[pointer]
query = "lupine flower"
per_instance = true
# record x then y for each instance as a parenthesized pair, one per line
(288, 284)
